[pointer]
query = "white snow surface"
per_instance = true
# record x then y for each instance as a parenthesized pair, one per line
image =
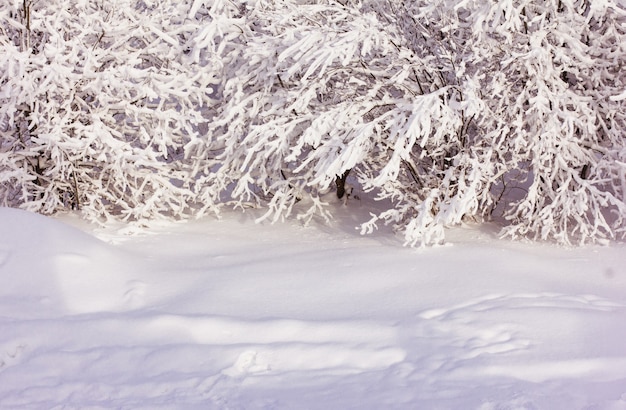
(228, 314)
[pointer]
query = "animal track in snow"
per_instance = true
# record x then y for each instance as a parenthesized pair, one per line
(524, 301)
(135, 293)
(496, 340)
(9, 356)
(492, 335)
(248, 362)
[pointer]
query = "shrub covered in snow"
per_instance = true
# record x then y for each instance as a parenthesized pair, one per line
(97, 102)
(449, 109)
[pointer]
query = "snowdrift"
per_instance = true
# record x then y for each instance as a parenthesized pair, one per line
(234, 315)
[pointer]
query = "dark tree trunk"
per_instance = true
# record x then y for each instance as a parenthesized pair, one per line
(341, 184)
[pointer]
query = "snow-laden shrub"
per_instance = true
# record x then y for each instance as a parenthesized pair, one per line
(449, 109)
(321, 89)
(97, 101)
(548, 72)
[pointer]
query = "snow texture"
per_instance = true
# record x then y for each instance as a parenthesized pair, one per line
(235, 315)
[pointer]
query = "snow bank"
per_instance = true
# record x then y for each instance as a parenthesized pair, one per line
(232, 315)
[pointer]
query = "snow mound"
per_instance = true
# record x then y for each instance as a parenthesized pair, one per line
(50, 268)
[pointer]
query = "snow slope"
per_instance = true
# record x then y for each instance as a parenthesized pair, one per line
(232, 315)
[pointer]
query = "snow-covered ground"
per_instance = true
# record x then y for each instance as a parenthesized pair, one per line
(232, 315)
